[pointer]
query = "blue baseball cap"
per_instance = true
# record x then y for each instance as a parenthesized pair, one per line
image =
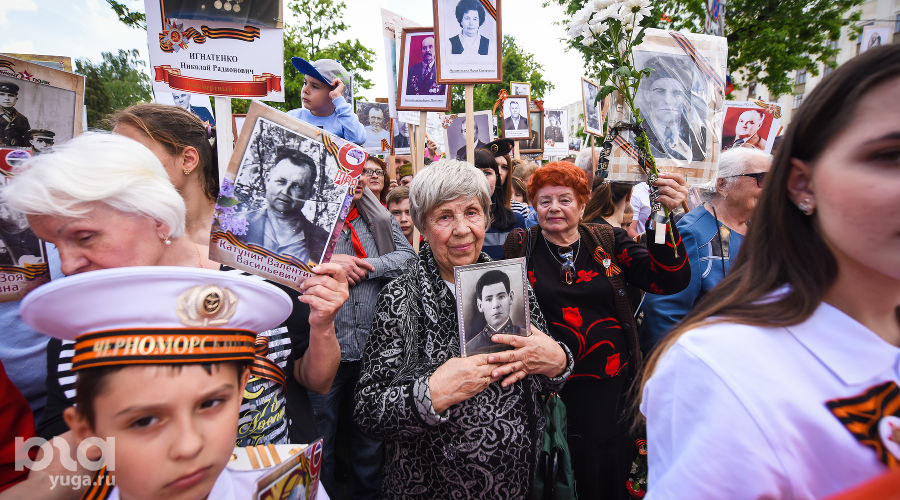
(325, 70)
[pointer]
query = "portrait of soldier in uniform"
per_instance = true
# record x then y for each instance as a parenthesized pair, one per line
(14, 125)
(18, 244)
(493, 300)
(280, 226)
(41, 139)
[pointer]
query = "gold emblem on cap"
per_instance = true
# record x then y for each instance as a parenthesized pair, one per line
(206, 305)
(495, 148)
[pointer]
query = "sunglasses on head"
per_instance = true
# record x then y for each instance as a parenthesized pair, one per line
(759, 176)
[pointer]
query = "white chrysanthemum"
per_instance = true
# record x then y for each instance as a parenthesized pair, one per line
(588, 41)
(602, 4)
(611, 12)
(599, 28)
(641, 7)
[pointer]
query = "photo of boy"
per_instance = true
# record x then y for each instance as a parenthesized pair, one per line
(324, 102)
(14, 125)
(162, 381)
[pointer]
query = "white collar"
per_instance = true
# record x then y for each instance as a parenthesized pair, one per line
(846, 347)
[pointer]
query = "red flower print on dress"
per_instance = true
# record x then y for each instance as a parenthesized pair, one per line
(624, 258)
(531, 278)
(586, 275)
(613, 365)
(572, 317)
(654, 288)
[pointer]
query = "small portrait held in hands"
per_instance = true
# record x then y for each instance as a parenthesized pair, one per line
(491, 299)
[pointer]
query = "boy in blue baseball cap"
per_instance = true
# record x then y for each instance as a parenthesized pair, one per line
(323, 99)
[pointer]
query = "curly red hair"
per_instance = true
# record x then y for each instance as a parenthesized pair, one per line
(560, 173)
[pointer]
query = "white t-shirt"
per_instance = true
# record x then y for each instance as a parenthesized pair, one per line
(739, 412)
(640, 202)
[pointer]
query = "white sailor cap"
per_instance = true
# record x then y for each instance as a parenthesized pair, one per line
(156, 315)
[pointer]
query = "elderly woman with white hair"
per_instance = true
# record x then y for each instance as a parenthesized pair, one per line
(453, 427)
(106, 201)
(712, 235)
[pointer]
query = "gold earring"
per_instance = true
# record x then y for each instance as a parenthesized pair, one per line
(186, 172)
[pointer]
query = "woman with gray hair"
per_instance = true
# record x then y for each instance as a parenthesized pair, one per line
(453, 427)
(712, 235)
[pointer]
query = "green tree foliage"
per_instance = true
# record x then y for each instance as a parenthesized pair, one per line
(518, 66)
(131, 18)
(96, 99)
(767, 39)
(119, 81)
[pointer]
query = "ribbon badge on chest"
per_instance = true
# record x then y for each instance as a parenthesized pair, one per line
(873, 418)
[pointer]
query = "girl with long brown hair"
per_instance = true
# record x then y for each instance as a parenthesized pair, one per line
(783, 380)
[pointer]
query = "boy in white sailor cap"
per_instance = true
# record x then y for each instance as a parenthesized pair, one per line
(163, 377)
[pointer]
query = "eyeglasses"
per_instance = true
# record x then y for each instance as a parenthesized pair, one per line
(759, 176)
(567, 270)
(369, 172)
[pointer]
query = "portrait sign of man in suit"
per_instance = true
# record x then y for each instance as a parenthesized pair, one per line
(422, 77)
(461, 152)
(746, 131)
(493, 299)
(281, 226)
(665, 95)
(515, 124)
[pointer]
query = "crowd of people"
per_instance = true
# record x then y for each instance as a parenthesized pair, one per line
(752, 354)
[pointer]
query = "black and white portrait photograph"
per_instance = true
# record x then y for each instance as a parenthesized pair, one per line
(682, 102)
(455, 134)
(747, 125)
(535, 141)
(520, 88)
(400, 130)
(418, 88)
(375, 117)
(468, 37)
(23, 261)
(591, 108)
(556, 137)
(515, 117)
(38, 113)
(873, 36)
(284, 197)
(491, 299)
(672, 112)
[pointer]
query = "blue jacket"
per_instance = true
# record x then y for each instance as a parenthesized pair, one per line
(342, 123)
(699, 232)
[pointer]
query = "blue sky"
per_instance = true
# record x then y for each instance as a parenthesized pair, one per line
(85, 28)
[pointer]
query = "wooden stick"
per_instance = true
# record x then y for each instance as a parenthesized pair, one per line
(470, 121)
(516, 153)
(420, 144)
(224, 134)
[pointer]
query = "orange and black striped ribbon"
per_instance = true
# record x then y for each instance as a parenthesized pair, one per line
(284, 259)
(6, 64)
(330, 145)
(264, 367)
(194, 35)
(701, 63)
(862, 414)
(626, 146)
(489, 7)
(385, 145)
(247, 34)
(31, 271)
(101, 486)
(772, 109)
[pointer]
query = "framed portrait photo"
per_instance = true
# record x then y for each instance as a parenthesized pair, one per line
(520, 88)
(455, 133)
(400, 132)
(417, 87)
(284, 198)
(750, 125)
(683, 104)
(375, 117)
(491, 298)
(591, 108)
(515, 119)
(468, 41)
(556, 136)
(535, 141)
